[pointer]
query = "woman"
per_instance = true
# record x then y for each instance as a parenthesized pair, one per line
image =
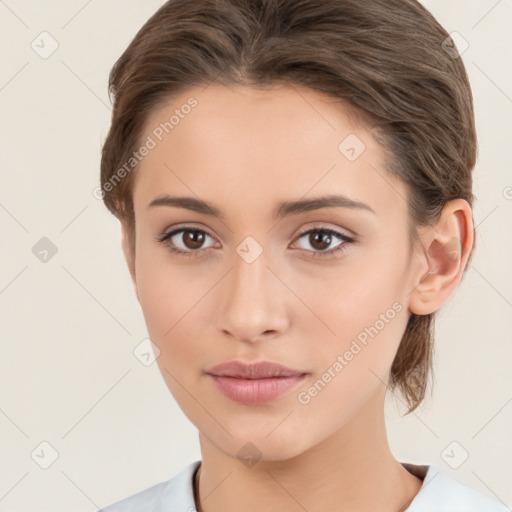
(293, 182)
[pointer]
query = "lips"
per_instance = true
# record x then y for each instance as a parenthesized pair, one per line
(260, 370)
(254, 383)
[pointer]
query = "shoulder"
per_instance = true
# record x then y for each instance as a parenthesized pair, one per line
(168, 495)
(442, 493)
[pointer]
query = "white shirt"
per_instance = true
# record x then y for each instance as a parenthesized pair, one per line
(439, 493)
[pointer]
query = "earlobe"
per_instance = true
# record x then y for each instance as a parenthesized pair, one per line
(447, 247)
(129, 256)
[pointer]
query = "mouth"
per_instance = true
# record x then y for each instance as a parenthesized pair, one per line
(259, 370)
(254, 383)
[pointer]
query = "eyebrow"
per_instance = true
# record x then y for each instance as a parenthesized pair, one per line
(284, 209)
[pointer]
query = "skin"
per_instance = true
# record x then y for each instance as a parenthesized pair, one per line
(246, 150)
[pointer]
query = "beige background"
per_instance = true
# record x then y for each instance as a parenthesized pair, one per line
(69, 326)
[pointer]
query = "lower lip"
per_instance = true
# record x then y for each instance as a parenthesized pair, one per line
(255, 391)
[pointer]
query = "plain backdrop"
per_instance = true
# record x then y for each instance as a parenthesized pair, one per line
(83, 422)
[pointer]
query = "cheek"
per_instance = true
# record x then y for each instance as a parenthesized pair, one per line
(354, 295)
(355, 363)
(167, 292)
(170, 303)
(170, 299)
(360, 313)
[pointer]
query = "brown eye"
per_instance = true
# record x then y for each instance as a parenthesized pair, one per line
(184, 241)
(193, 239)
(320, 239)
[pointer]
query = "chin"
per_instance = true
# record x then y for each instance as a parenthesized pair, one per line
(254, 445)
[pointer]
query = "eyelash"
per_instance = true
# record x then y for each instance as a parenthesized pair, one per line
(316, 254)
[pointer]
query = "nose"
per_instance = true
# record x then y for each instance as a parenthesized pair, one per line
(253, 302)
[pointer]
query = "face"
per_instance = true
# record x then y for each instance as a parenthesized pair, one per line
(319, 289)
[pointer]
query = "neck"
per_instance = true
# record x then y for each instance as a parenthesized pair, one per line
(351, 470)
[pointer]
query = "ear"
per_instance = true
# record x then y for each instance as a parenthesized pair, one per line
(129, 256)
(447, 246)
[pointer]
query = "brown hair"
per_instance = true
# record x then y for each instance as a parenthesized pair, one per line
(387, 59)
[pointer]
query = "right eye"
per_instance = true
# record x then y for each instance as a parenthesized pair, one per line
(187, 244)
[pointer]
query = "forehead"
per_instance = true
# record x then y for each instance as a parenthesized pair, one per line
(258, 144)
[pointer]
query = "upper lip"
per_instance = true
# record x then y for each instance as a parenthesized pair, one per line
(259, 370)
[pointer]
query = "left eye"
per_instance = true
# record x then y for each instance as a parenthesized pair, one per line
(192, 241)
(321, 238)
